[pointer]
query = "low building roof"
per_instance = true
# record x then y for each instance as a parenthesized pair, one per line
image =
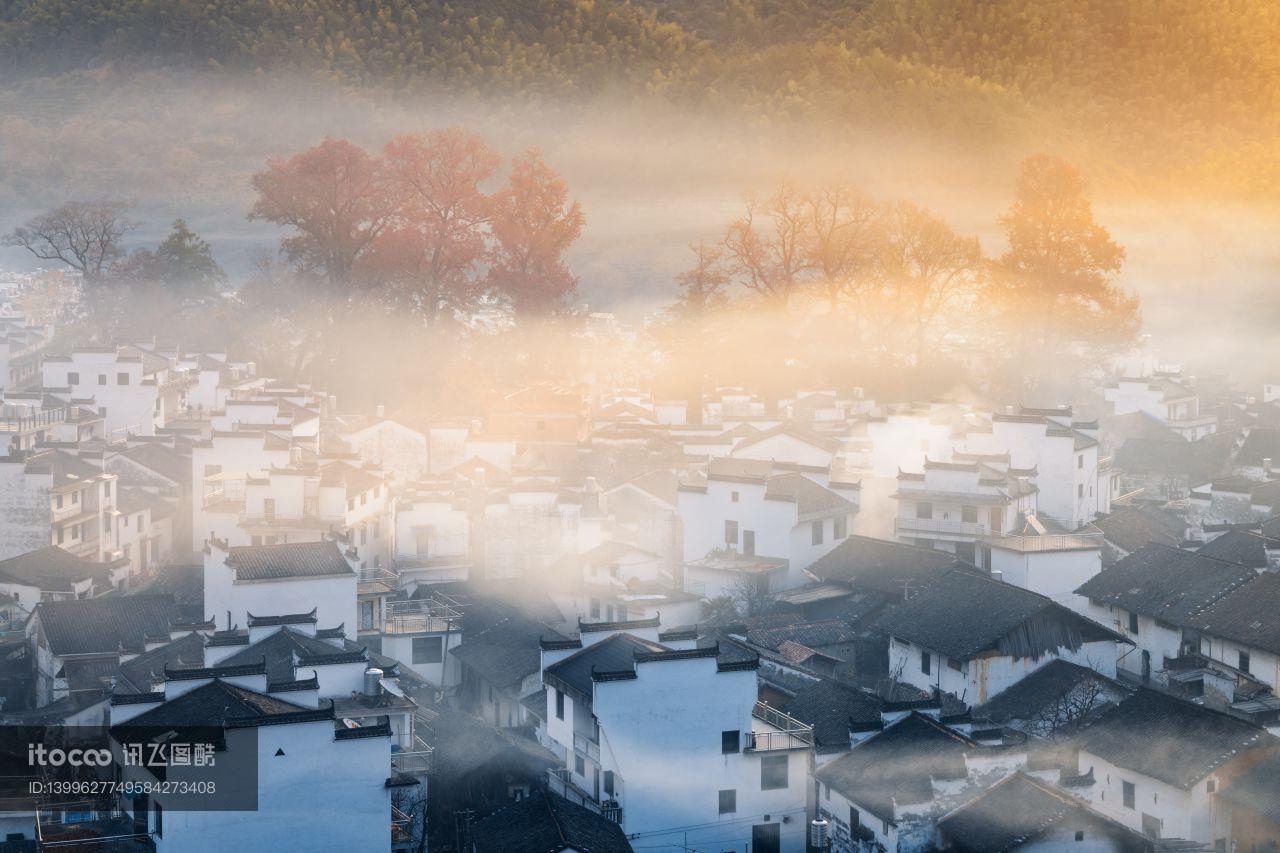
(964, 614)
(52, 569)
(898, 765)
(1168, 739)
(882, 565)
(545, 822)
(104, 625)
(1165, 583)
(1017, 810)
(290, 560)
(1247, 614)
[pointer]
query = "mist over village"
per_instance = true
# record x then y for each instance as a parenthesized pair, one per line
(610, 426)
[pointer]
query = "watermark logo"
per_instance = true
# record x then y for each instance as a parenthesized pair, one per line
(39, 755)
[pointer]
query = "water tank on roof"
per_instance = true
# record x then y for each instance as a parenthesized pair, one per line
(372, 679)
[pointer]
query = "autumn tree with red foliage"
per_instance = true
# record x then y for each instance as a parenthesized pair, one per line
(533, 224)
(336, 198)
(414, 228)
(438, 240)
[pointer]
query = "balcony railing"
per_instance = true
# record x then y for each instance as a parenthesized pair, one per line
(421, 617)
(560, 782)
(414, 762)
(939, 527)
(90, 827)
(786, 731)
(586, 746)
(1048, 542)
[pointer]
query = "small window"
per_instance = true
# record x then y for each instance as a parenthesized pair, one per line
(608, 782)
(559, 704)
(1129, 794)
(840, 528)
(816, 533)
(855, 819)
(122, 379)
(269, 507)
(542, 426)
(579, 765)
(952, 663)
(139, 522)
(733, 496)
(926, 662)
(1133, 623)
(58, 501)
(1080, 461)
(428, 649)
(351, 504)
(1079, 835)
(594, 608)
(729, 801)
(924, 509)
(730, 741)
(1080, 490)
(731, 533)
(1243, 661)
(773, 772)
(1211, 786)
(364, 499)
(102, 379)
(73, 378)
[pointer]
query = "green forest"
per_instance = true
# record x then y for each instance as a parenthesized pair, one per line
(1183, 91)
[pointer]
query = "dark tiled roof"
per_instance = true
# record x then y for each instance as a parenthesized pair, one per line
(137, 674)
(1169, 739)
(881, 565)
(898, 765)
(1248, 614)
(51, 569)
(1041, 690)
(1132, 527)
(614, 654)
(1199, 461)
(1016, 811)
(212, 704)
(1137, 425)
(463, 743)
(815, 635)
(547, 823)
(1166, 583)
(1262, 443)
(964, 614)
(831, 707)
(165, 461)
(291, 560)
(278, 649)
(1240, 546)
(104, 625)
(796, 431)
(506, 652)
(809, 497)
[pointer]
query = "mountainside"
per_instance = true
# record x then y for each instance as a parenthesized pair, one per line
(1172, 88)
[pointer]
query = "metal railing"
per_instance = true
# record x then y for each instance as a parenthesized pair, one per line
(937, 526)
(415, 761)
(422, 616)
(89, 827)
(788, 732)
(1048, 542)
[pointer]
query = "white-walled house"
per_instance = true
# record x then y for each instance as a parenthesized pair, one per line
(972, 636)
(1156, 597)
(243, 581)
(952, 505)
(789, 443)
(292, 745)
(1156, 764)
(670, 740)
(1064, 453)
(1164, 396)
(747, 508)
(132, 388)
(59, 498)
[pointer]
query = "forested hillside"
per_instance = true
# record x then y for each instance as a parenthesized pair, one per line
(1175, 88)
